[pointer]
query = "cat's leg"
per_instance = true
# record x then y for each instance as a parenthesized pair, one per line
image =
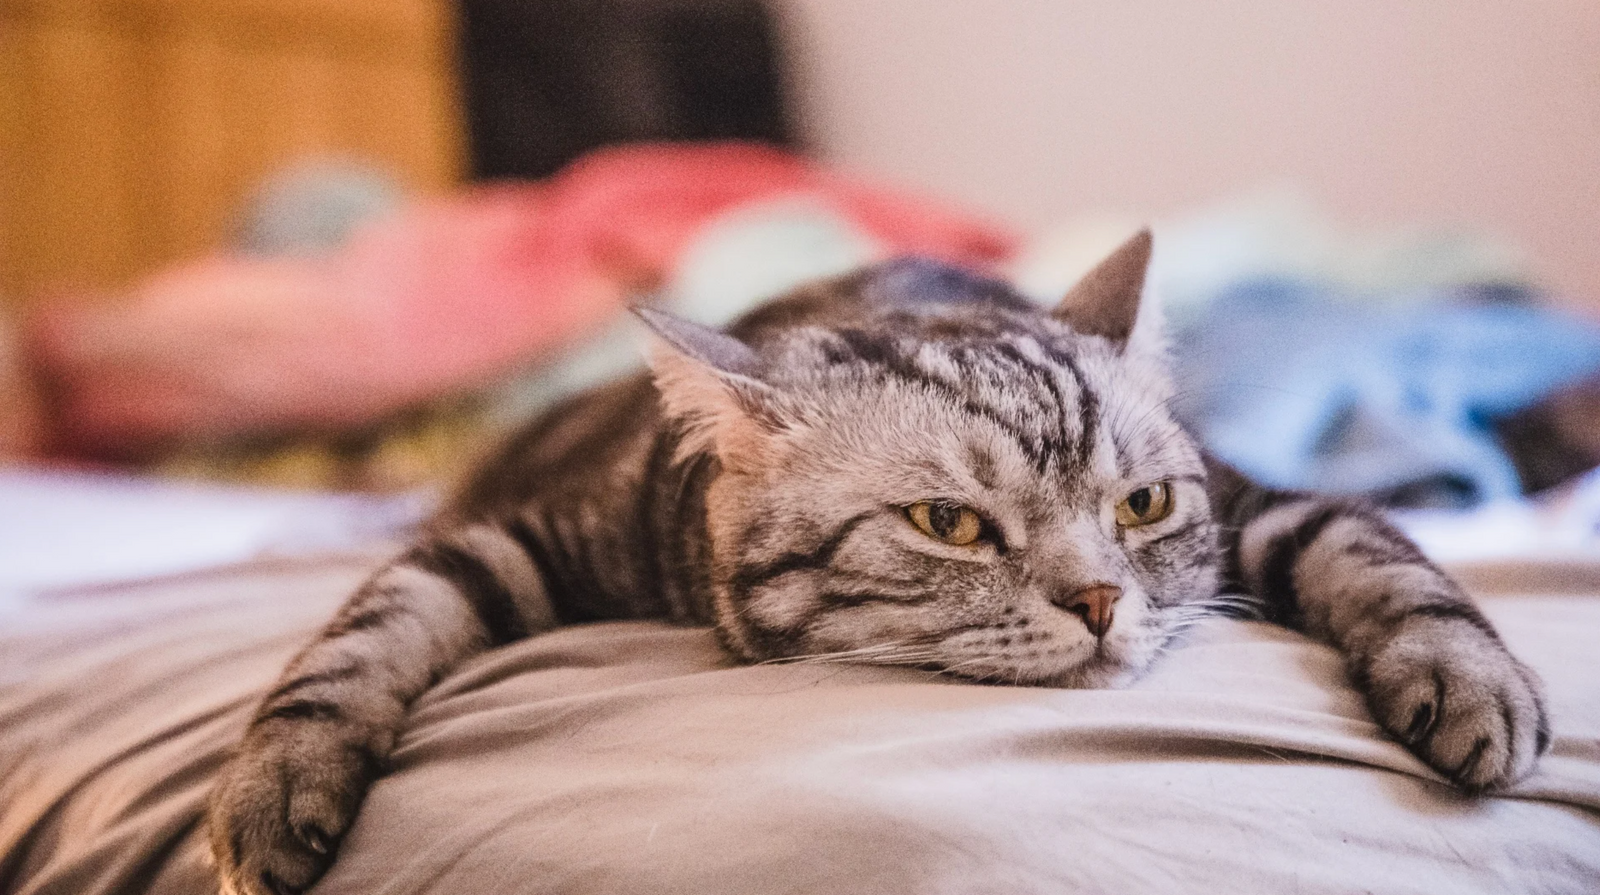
(1435, 673)
(290, 791)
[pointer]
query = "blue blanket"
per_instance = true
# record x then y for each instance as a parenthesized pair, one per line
(1304, 389)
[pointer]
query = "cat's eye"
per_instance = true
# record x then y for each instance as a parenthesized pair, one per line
(948, 522)
(1149, 504)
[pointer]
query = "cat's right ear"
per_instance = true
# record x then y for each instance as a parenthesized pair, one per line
(710, 382)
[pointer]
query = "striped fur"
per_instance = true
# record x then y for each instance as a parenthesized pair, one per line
(758, 482)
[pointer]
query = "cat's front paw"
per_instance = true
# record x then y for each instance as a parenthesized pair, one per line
(282, 804)
(1460, 701)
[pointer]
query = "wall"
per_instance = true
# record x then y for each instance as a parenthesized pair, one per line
(131, 130)
(1481, 113)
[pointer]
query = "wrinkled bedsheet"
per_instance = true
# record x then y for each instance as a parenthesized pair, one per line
(634, 758)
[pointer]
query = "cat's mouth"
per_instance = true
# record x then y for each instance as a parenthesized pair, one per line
(1104, 664)
(1096, 674)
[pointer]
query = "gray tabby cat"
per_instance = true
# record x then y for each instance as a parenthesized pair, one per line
(910, 465)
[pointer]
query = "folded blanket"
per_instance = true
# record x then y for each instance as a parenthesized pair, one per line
(632, 757)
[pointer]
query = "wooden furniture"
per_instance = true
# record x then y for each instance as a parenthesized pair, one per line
(130, 130)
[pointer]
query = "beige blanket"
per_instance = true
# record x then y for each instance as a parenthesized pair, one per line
(633, 758)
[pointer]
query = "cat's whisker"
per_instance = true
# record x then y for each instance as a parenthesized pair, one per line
(882, 653)
(816, 658)
(955, 667)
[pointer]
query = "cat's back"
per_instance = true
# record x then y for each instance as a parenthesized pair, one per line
(910, 297)
(576, 448)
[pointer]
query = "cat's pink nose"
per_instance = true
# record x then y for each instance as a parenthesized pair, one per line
(1094, 604)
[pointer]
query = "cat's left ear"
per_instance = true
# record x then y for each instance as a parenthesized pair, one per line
(710, 382)
(1106, 301)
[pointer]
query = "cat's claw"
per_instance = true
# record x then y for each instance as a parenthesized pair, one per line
(281, 806)
(1461, 702)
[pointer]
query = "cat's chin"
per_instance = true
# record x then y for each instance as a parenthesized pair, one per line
(1104, 670)
(1097, 674)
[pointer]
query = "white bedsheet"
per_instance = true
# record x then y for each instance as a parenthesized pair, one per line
(63, 529)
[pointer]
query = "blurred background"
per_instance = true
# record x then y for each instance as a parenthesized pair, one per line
(339, 245)
(134, 129)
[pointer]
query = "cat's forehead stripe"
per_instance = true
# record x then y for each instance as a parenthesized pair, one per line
(888, 359)
(1036, 394)
(1089, 411)
(1045, 380)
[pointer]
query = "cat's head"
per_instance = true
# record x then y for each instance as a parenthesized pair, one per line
(919, 467)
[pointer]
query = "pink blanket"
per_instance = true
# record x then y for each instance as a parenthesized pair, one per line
(445, 296)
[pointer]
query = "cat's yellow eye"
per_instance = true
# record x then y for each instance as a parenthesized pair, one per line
(1149, 504)
(947, 522)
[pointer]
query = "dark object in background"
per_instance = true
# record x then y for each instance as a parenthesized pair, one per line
(547, 80)
(1555, 439)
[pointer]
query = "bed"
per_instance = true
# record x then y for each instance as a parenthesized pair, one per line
(634, 757)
